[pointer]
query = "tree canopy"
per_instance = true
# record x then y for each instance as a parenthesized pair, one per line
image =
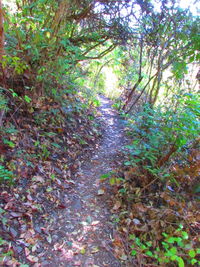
(56, 58)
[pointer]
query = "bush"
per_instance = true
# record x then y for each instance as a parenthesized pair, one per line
(160, 132)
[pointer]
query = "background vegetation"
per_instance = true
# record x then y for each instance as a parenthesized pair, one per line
(57, 56)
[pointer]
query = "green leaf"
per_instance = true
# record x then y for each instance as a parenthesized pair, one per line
(83, 251)
(173, 250)
(127, 163)
(165, 235)
(131, 237)
(192, 253)
(9, 143)
(179, 260)
(149, 253)
(112, 181)
(105, 176)
(56, 145)
(49, 189)
(180, 226)
(185, 235)
(193, 261)
(149, 244)
(27, 99)
(50, 134)
(2, 210)
(133, 252)
(171, 240)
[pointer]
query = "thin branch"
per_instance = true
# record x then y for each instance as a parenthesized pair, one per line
(140, 93)
(102, 54)
(140, 77)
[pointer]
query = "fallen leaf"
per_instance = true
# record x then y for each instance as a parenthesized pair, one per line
(38, 178)
(68, 255)
(77, 263)
(123, 257)
(27, 252)
(112, 180)
(29, 197)
(101, 192)
(139, 207)
(49, 239)
(95, 223)
(117, 205)
(117, 242)
(32, 259)
(49, 189)
(15, 214)
(83, 251)
(94, 250)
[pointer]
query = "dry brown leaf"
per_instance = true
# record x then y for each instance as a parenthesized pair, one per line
(32, 259)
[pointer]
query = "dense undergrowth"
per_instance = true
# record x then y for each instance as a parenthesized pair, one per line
(55, 56)
(157, 200)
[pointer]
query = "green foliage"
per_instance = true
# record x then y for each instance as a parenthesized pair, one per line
(8, 142)
(3, 242)
(159, 132)
(10, 129)
(27, 99)
(43, 152)
(3, 101)
(174, 247)
(46, 46)
(5, 175)
(17, 64)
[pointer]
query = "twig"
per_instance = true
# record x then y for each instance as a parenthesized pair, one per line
(149, 184)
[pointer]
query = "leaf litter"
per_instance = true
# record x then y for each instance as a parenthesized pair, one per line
(57, 213)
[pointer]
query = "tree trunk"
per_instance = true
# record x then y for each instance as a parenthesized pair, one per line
(2, 71)
(132, 92)
(140, 77)
(142, 91)
(2, 76)
(1, 32)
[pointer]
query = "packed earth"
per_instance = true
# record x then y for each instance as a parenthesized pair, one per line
(81, 234)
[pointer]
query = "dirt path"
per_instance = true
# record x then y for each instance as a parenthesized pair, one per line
(81, 234)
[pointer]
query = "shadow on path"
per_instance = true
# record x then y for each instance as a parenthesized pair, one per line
(82, 233)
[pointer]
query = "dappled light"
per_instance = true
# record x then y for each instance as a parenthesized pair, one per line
(99, 133)
(112, 89)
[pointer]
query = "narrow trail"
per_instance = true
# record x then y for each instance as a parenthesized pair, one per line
(82, 233)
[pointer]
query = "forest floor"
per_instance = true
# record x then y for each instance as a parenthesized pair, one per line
(69, 196)
(83, 233)
(66, 222)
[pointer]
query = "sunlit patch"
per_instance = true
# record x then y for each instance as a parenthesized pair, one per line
(80, 245)
(112, 89)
